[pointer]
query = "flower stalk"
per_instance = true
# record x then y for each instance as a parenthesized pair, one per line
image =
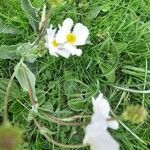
(43, 24)
(60, 121)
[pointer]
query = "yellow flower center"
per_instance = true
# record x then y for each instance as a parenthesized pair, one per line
(54, 43)
(71, 38)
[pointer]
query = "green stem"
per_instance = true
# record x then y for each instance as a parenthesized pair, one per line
(59, 120)
(42, 30)
(5, 113)
(118, 118)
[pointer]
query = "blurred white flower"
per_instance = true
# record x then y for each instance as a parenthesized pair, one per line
(96, 134)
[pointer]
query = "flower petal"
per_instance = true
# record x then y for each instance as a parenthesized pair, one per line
(81, 32)
(64, 53)
(113, 124)
(68, 22)
(64, 30)
(51, 32)
(73, 50)
(53, 52)
(101, 106)
(46, 39)
(49, 38)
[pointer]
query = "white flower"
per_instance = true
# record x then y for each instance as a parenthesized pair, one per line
(55, 49)
(96, 134)
(71, 38)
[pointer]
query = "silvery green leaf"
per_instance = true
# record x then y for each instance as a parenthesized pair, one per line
(9, 30)
(24, 48)
(8, 51)
(25, 77)
(31, 57)
(5, 29)
(32, 13)
(28, 51)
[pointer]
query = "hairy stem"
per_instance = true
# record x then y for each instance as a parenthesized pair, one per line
(117, 118)
(43, 28)
(5, 113)
(60, 121)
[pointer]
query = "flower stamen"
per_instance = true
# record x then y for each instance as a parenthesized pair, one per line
(54, 43)
(71, 38)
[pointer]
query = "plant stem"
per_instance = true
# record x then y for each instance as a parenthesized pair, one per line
(5, 113)
(40, 127)
(43, 28)
(117, 118)
(60, 121)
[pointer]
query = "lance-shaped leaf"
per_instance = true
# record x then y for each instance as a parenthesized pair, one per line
(9, 30)
(5, 29)
(28, 51)
(32, 14)
(8, 51)
(26, 79)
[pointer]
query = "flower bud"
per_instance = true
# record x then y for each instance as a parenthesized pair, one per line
(10, 137)
(135, 114)
(56, 3)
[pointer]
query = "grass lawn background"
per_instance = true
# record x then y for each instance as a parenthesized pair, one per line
(119, 55)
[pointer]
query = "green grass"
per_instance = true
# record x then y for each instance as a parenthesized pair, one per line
(118, 56)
